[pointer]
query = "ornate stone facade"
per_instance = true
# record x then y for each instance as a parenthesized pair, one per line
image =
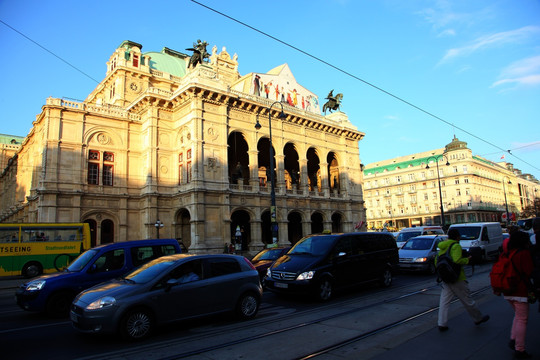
(157, 140)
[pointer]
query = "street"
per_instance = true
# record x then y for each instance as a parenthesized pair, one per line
(300, 326)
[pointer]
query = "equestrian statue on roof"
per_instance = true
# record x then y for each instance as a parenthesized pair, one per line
(333, 102)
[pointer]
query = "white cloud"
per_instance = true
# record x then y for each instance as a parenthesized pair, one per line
(522, 72)
(491, 41)
(447, 32)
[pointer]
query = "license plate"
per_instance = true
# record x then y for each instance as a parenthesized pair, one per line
(74, 317)
(281, 285)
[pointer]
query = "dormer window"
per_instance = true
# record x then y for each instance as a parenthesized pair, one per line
(135, 60)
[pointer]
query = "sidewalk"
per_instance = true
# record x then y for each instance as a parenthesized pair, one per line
(464, 340)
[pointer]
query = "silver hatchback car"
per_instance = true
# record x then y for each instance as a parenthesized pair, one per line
(168, 289)
(419, 253)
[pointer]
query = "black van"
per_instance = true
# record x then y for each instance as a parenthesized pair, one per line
(319, 263)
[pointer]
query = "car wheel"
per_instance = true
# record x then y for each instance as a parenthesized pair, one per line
(386, 278)
(32, 269)
(59, 303)
(248, 306)
(137, 324)
(325, 288)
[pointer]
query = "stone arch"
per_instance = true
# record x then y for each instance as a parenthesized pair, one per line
(241, 221)
(337, 222)
(317, 222)
(314, 169)
(263, 160)
(238, 158)
(294, 228)
(182, 227)
(105, 231)
(103, 137)
(333, 171)
(291, 165)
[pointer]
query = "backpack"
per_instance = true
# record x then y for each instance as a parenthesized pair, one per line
(447, 270)
(504, 275)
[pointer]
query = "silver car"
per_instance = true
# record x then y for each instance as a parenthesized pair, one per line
(419, 253)
(169, 289)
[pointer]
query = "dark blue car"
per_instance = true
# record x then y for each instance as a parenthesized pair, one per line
(54, 293)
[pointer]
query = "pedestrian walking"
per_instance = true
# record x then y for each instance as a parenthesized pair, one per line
(460, 288)
(519, 252)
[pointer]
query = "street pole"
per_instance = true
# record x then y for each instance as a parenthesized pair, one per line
(505, 200)
(158, 226)
(273, 212)
(443, 221)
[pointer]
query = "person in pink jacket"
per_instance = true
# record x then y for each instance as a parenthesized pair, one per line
(518, 248)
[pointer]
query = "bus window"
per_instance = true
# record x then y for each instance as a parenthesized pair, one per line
(33, 249)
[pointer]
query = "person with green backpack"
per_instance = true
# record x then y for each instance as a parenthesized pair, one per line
(458, 286)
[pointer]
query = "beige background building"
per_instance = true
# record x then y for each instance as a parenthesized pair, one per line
(404, 191)
(161, 140)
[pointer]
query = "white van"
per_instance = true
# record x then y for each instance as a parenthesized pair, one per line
(486, 236)
(407, 233)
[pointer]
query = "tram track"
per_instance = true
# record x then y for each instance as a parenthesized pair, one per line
(219, 339)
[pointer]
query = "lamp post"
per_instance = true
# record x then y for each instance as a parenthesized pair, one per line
(505, 201)
(534, 202)
(437, 157)
(158, 226)
(273, 215)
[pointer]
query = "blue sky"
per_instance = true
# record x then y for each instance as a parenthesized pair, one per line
(474, 65)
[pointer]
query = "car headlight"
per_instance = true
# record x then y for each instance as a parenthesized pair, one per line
(306, 275)
(101, 303)
(35, 285)
(268, 272)
(420, 260)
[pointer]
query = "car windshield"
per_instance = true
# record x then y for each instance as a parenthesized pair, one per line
(149, 271)
(80, 262)
(269, 254)
(404, 236)
(468, 232)
(418, 244)
(313, 245)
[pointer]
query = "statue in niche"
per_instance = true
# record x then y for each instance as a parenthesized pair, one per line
(199, 53)
(333, 102)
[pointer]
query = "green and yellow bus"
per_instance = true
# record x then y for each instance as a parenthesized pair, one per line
(33, 249)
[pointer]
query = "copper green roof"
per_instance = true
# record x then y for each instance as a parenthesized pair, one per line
(11, 139)
(394, 166)
(169, 61)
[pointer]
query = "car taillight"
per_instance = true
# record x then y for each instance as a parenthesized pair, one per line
(250, 264)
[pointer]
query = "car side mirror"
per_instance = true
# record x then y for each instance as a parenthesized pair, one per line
(170, 283)
(92, 269)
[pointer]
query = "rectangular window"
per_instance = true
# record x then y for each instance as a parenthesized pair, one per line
(93, 174)
(458, 192)
(426, 196)
(464, 169)
(136, 60)
(466, 180)
(108, 175)
(456, 181)
(188, 154)
(180, 168)
(188, 172)
(95, 162)
(455, 169)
